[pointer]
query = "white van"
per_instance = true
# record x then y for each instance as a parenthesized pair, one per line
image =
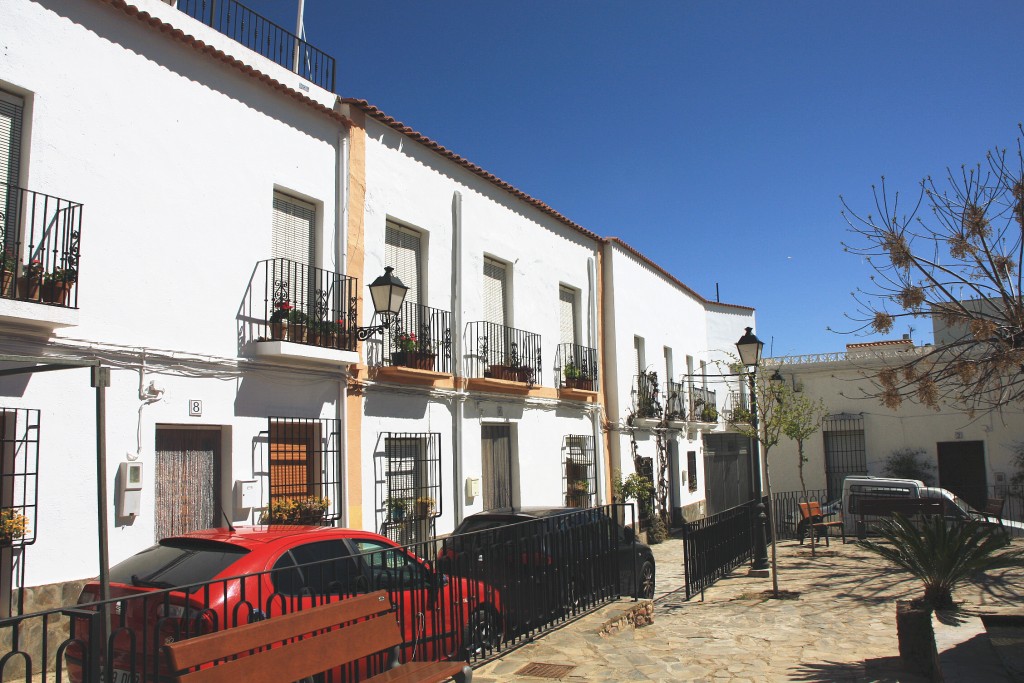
(880, 487)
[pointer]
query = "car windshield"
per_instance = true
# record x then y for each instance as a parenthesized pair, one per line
(176, 562)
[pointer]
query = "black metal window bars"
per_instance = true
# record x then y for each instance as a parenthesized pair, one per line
(263, 36)
(579, 470)
(703, 404)
(500, 352)
(577, 367)
(407, 474)
(303, 466)
(40, 234)
(675, 400)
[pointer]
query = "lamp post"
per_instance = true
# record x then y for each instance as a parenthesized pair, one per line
(387, 293)
(749, 348)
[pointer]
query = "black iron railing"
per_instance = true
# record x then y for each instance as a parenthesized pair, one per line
(738, 408)
(646, 395)
(787, 511)
(40, 236)
(675, 400)
(421, 338)
(467, 597)
(577, 367)
(501, 352)
(703, 405)
(261, 35)
(715, 545)
(293, 302)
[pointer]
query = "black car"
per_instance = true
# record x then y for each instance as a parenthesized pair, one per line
(549, 562)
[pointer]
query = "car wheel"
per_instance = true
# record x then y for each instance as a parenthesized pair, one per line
(483, 633)
(645, 584)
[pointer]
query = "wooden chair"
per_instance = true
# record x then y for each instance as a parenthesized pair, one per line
(993, 512)
(813, 519)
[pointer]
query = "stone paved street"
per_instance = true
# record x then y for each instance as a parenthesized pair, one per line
(842, 627)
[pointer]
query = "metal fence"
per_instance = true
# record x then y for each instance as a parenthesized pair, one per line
(463, 597)
(41, 236)
(261, 35)
(715, 545)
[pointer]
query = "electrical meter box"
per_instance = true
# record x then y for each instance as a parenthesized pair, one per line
(131, 488)
(247, 493)
(472, 487)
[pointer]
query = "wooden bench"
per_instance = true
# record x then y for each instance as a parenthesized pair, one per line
(993, 512)
(294, 646)
(812, 518)
(887, 507)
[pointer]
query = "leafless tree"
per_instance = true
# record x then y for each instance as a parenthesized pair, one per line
(955, 255)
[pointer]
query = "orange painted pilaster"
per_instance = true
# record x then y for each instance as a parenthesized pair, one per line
(354, 267)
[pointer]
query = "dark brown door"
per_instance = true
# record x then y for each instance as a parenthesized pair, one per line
(496, 451)
(187, 480)
(962, 470)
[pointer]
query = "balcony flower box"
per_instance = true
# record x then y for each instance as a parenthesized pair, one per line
(583, 383)
(414, 359)
(511, 373)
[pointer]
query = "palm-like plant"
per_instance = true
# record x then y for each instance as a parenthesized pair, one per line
(943, 555)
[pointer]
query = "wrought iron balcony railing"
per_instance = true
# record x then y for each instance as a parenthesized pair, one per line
(293, 302)
(501, 352)
(577, 367)
(738, 407)
(675, 400)
(646, 396)
(40, 235)
(703, 405)
(421, 338)
(261, 35)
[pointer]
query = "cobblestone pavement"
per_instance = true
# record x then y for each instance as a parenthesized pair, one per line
(841, 627)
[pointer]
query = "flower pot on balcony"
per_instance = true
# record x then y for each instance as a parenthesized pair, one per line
(512, 373)
(279, 330)
(579, 383)
(414, 359)
(56, 292)
(7, 284)
(30, 287)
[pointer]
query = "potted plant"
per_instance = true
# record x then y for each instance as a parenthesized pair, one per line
(279, 320)
(396, 507)
(576, 378)
(740, 415)
(322, 333)
(13, 525)
(425, 506)
(57, 285)
(31, 284)
(708, 413)
(300, 510)
(413, 352)
(8, 267)
(578, 493)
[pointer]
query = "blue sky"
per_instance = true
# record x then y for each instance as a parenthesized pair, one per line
(713, 136)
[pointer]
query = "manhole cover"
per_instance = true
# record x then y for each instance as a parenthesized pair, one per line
(540, 670)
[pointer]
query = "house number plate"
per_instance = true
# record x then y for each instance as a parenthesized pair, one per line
(195, 408)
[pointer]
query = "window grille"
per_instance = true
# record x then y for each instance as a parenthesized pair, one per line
(19, 490)
(304, 462)
(845, 452)
(579, 470)
(407, 472)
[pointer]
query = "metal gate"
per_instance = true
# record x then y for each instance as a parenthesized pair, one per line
(845, 454)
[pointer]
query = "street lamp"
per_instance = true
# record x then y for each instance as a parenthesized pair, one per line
(387, 293)
(749, 347)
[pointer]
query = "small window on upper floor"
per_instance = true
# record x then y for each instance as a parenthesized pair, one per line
(12, 110)
(495, 294)
(293, 234)
(568, 315)
(403, 251)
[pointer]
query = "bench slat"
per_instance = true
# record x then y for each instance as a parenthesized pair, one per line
(306, 657)
(424, 672)
(185, 654)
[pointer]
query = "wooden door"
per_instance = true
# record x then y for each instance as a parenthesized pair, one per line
(187, 480)
(962, 471)
(496, 453)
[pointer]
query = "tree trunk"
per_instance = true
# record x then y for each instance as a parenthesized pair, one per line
(771, 526)
(800, 466)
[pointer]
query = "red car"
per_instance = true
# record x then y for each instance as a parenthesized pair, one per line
(228, 577)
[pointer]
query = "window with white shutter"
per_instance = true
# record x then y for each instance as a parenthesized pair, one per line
(293, 235)
(403, 251)
(11, 111)
(568, 331)
(639, 363)
(495, 292)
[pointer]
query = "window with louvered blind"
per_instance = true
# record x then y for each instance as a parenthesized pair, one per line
(639, 363)
(11, 111)
(403, 250)
(495, 292)
(568, 332)
(293, 235)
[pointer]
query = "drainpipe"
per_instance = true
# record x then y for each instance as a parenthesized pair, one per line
(458, 491)
(341, 255)
(595, 412)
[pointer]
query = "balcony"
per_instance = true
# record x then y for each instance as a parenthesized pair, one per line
(416, 347)
(675, 401)
(502, 358)
(646, 397)
(577, 371)
(737, 410)
(703, 405)
(263, 36)
(40, 258)
(294, 312)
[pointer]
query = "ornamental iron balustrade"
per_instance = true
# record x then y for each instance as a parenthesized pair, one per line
(574, 563)
(420, 337)
(703, 404)
(576, 366)
(675, 400)
(646, 395)
(41, 237)
(499, 352)
(293, 302)
(263, 36)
